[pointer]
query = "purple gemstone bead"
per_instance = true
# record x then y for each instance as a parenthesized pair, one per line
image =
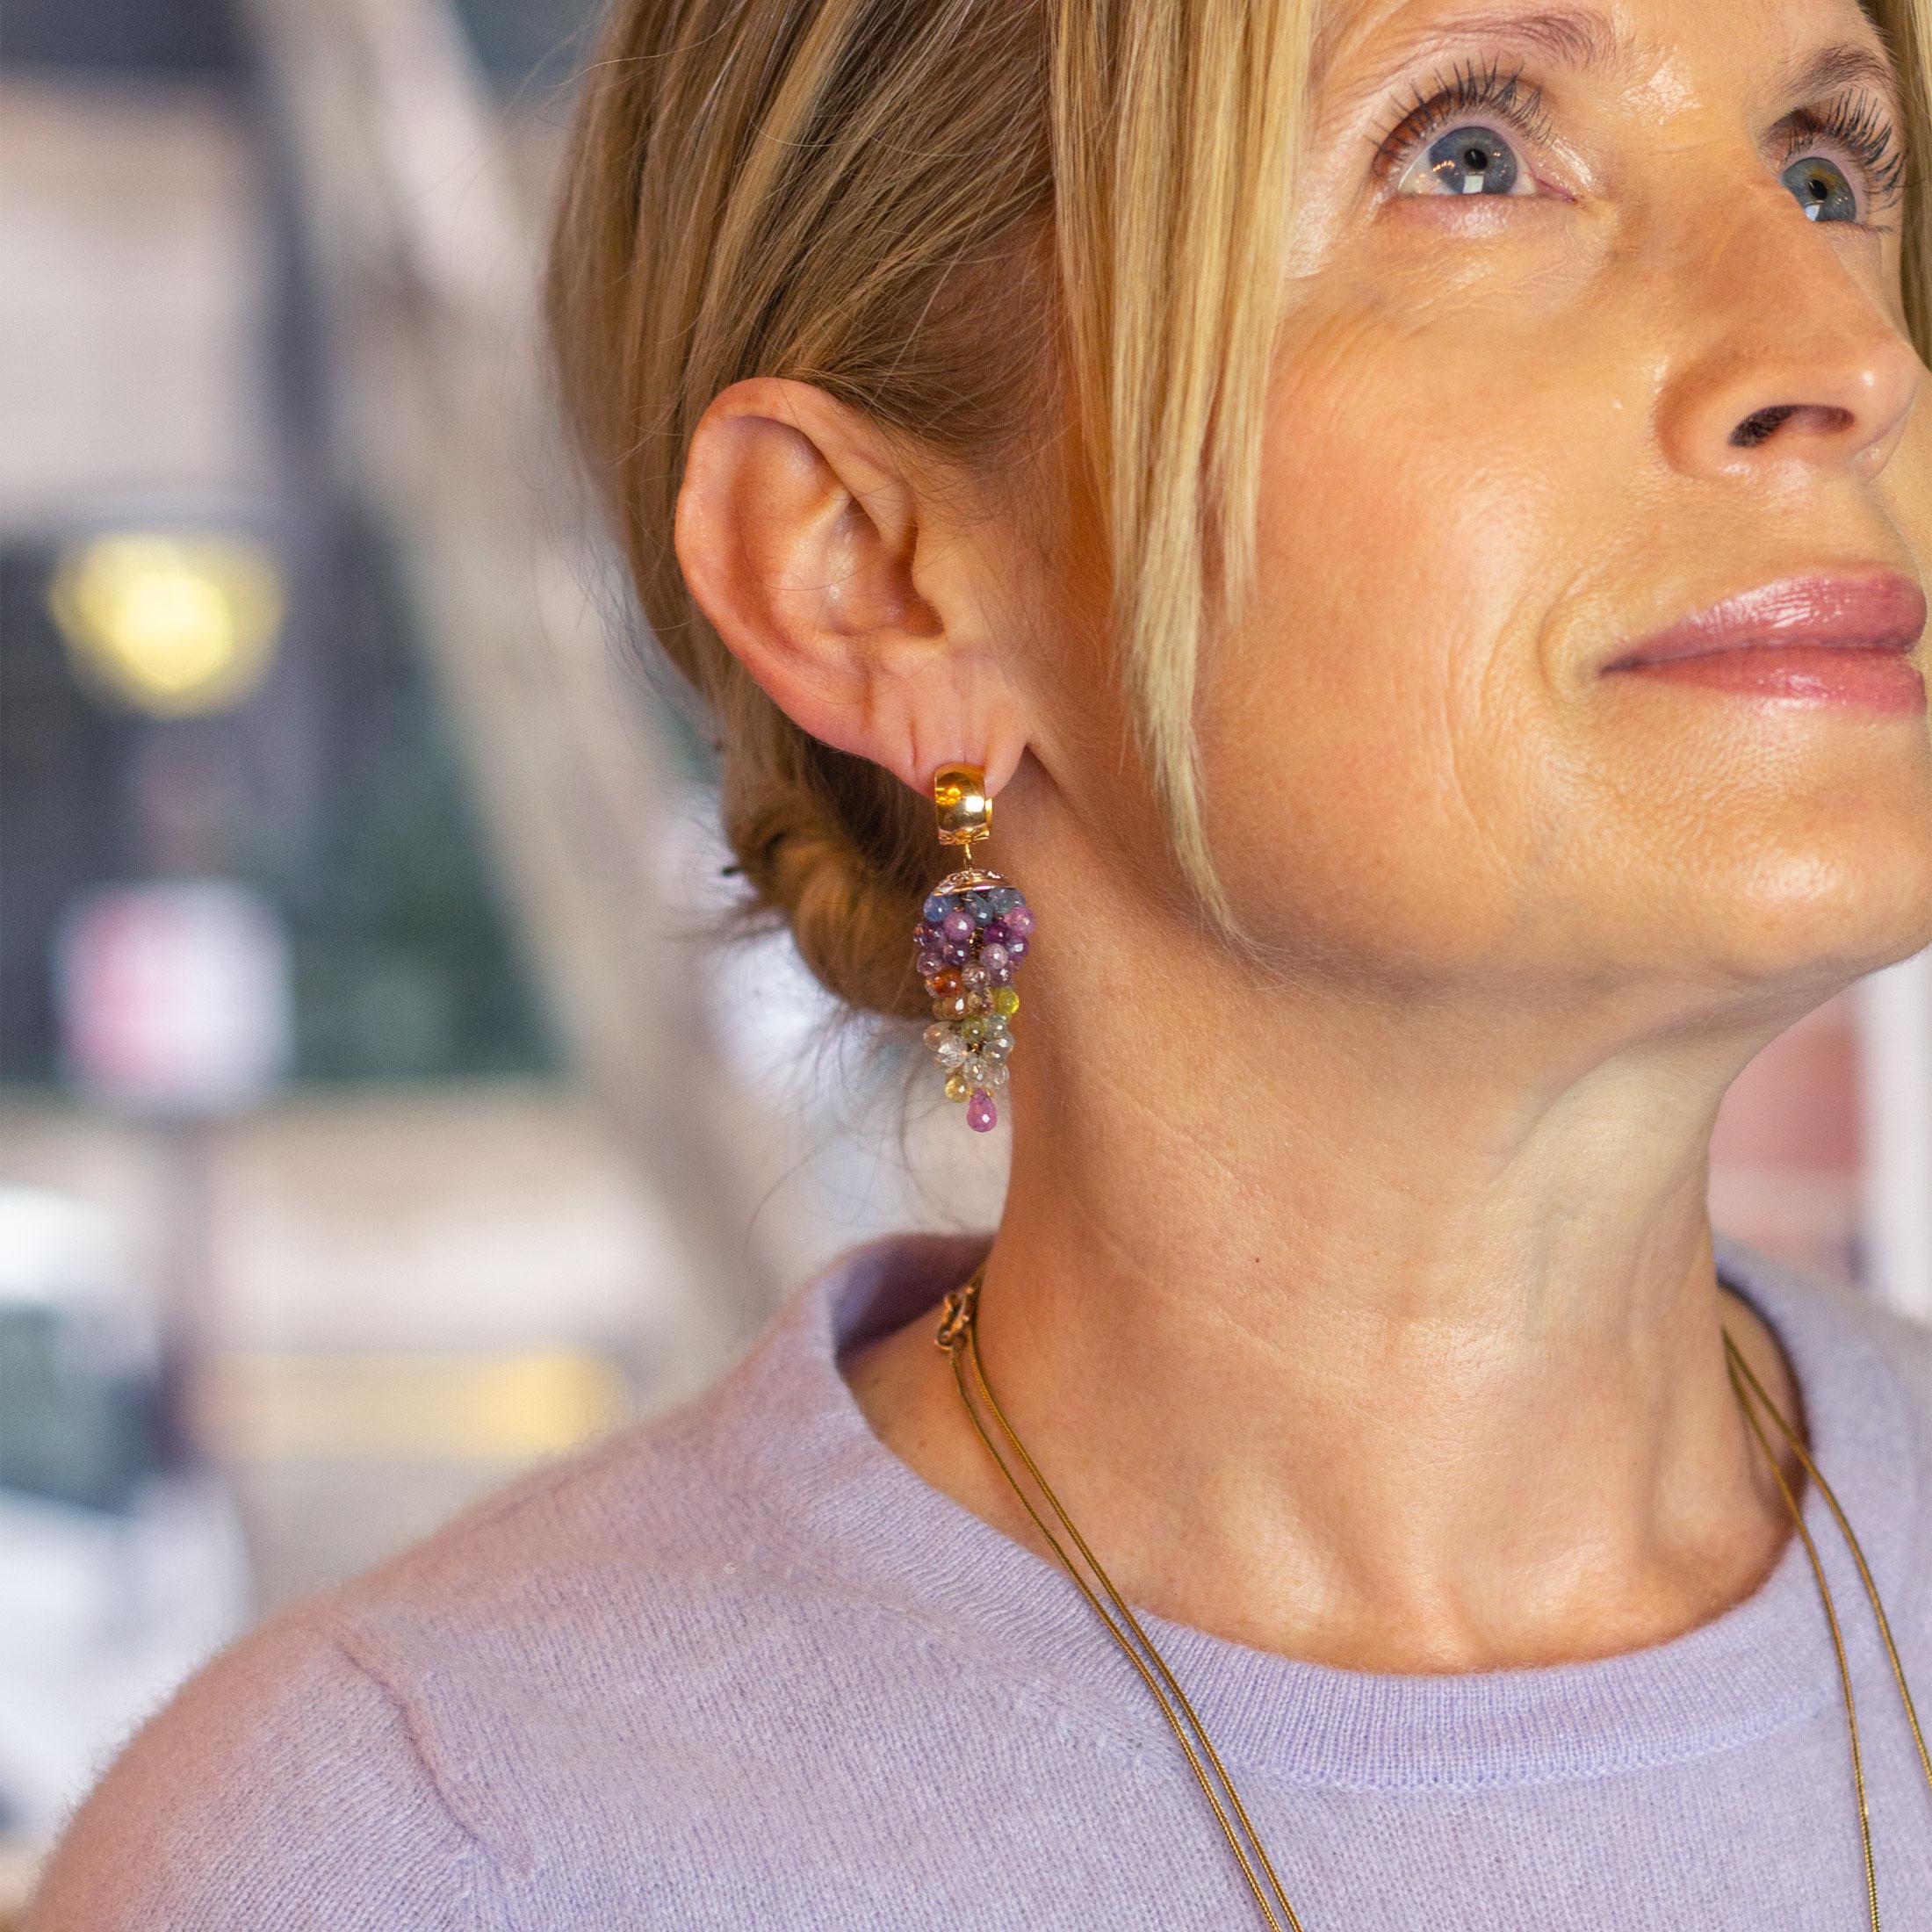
(981, 1114)
(999, 975)
(993, 958)
(956, 955)
(993, 933)
(959, 926)
(1018, 921)
(1016, 947)
(929, 962)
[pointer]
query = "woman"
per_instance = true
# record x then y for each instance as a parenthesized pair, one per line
(1418, 514)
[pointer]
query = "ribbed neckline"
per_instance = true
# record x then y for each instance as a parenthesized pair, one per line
(1763, 1664)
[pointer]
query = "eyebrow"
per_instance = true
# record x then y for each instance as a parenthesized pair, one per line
(1843, 64)
(1587, 42)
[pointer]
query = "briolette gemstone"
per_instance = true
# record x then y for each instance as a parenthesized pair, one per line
(972, 934)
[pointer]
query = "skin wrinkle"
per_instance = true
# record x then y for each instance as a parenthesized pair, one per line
(1358, 1293)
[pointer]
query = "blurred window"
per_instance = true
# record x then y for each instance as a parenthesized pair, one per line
(70, 1431)
(332, 786)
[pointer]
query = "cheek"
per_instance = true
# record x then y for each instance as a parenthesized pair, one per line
(1413, 770)
(1377, 732)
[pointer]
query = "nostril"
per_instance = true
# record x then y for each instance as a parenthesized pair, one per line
(1760, 423)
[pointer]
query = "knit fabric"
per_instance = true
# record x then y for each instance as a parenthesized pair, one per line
(741, 1667)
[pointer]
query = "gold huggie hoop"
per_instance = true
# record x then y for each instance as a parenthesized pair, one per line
(960, 802)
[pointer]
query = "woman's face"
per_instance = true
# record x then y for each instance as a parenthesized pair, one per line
(1577, 348)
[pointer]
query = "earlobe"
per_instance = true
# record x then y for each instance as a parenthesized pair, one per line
(969, 718)
(798, 530)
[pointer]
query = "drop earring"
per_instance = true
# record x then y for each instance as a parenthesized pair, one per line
(974, 930)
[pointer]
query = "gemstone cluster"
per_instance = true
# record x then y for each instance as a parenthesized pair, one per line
(973, 933)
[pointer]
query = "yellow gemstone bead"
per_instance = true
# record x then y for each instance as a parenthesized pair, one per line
(957, 1085)
(1006, 999)
(972, 1031)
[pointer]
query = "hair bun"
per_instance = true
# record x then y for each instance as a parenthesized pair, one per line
(826, 860)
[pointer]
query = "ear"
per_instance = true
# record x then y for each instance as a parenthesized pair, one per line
(832, 570)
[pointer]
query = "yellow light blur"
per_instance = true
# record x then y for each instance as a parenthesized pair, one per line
(174, 625)
(270, 1407)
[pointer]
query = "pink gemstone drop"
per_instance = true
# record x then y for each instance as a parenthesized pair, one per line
(981, 1114)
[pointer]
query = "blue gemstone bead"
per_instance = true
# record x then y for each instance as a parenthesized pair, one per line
(1004, 898)
(936, 907)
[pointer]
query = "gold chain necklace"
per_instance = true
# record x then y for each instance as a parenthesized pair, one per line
(958, 1337)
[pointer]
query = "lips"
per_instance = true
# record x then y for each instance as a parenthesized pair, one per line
(1873, 611)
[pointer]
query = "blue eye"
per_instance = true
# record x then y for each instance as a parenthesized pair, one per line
(1861, 132)
(1821, 189)
(1466, 160)
(1463, 157)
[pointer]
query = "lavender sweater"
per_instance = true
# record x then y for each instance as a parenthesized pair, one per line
(741, 1667)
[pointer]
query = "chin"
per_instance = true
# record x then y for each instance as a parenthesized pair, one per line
(1812, 916)
(1758, 846)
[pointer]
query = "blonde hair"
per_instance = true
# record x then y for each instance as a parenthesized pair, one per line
(842, 191)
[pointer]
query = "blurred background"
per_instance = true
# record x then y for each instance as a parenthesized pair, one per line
(378, 1114)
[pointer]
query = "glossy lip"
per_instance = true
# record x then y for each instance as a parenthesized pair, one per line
(1882, 610)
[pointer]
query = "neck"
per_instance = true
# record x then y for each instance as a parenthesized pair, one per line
(1390, 1339)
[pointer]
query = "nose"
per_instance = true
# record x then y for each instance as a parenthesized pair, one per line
(1790, 357)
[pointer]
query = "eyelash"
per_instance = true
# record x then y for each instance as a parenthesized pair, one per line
(1467, 88)
(1858, 126)
(1854, 123)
